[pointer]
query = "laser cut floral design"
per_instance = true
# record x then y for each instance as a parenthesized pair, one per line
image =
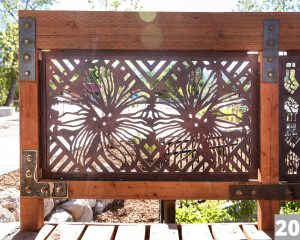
(120, 115)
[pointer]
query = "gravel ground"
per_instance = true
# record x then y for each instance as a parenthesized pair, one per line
(127, 211)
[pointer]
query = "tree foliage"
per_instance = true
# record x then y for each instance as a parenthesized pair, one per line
(268, 5)
(115, 5)
(9, 44)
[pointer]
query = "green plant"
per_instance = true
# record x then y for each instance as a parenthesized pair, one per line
(290, 208)
(216, 211)
(208, 211)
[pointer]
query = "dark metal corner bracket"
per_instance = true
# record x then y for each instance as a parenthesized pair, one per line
(30, 187)
(27, 49)
(270, 51)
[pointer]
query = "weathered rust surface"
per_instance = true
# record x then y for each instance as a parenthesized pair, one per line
(289, 118)
(149, 115)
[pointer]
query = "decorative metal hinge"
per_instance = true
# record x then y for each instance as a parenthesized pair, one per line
(288, 191)
(27, 49)
(270, 51)
(31, 187)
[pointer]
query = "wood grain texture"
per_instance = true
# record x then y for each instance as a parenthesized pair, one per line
(227, 232)
(65, 231)
(252, 233)
(131, 232)
(269, 148)
(194, 231)
(99, 232)
(151, 190)
(167, 31)
(164, 232)
(31, 209)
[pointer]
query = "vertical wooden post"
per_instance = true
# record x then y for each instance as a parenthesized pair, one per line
(167, 211)
(269, 148)
(31, 209)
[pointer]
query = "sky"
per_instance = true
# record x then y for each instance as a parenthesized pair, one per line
(160, 5)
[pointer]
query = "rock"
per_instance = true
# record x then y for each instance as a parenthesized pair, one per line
(92, 202)
(48, 206)
(87, 214)
(10, 200)
(6, 216)
(76, 207)
(60, 215)
(101, 205)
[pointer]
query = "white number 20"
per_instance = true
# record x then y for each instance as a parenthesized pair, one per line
(293, 228)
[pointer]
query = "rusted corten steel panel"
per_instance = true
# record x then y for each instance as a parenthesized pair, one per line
(149, 115)
(160, 31)
(289, 118)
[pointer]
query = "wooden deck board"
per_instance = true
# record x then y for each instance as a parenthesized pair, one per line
(193, 231)
(107, 231)
(228, 232)
(164, 232)
(131, 232)
(66, 231)
(99, 232)
(252, 233)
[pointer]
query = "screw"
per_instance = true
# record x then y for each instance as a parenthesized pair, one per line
(270, 74)
(27, 25)
(29, 158)
(28, 173)
(271, 27)
(27, 73)
(253, 192)
(288, 191)
(26, 56)
(59, 190)
(44, 190)
(28, 189)
(26, 41)
(270, 59)
(271, 42)
(239, 192)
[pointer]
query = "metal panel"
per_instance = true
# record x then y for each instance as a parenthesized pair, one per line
(289, 118)
(270, 51)
(265, 192)
(27, 49)
(29, 183)
(150, 116)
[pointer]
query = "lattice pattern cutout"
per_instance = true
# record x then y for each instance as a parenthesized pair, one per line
(289, 122)
(117, 115)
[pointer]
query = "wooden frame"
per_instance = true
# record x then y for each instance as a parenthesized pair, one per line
(158, 31)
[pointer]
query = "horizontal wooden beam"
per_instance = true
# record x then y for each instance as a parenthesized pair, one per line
(160, 31)
(151, 190)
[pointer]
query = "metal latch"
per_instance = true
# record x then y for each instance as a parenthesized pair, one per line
(284, 191)
(31, 187)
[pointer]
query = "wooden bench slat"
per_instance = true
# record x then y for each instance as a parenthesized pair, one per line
(164, 232)
(65, 231)
(99, 232)
(131, 232)
(252, 233)
(227, 232)
(45, 232)
(194, 231)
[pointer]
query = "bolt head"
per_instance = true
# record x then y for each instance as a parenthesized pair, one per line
(29, 158)
(28, 189)
(271, 27)
(27, 25)
(239, 192)
(28, 173)
(44, 190)
(27, 73)
(270, 74)
(59, 190)
(271, 42)
(26, 41)
(26, 56)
